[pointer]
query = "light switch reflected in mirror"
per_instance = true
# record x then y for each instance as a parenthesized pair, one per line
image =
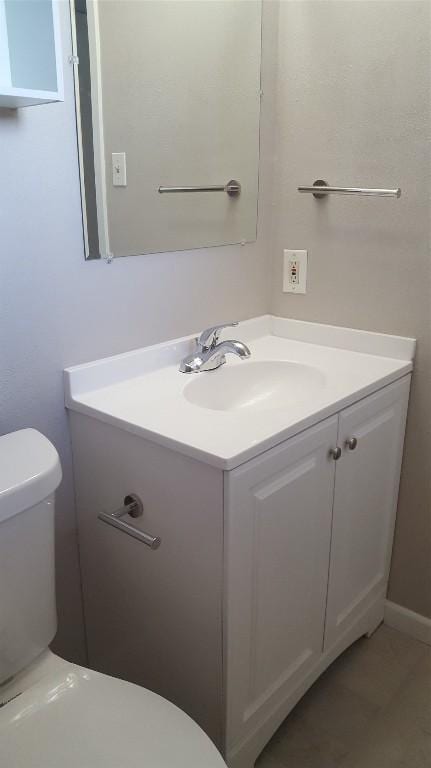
(167, 95)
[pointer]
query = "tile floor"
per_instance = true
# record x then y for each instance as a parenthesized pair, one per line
(370, 709)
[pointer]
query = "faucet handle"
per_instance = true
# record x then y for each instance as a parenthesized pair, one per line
(209, 338)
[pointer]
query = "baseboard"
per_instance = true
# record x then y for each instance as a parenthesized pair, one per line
(409, 622)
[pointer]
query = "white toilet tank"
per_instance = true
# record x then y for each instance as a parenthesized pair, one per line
(30, 472)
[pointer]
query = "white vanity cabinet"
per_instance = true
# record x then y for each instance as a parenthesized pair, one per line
(293, 515)
(266, 572)
(30, 53)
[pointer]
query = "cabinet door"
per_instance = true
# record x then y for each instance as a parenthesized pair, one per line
(31, 66)
(366, 492)
(278, 519)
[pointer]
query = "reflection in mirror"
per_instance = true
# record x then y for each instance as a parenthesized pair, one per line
(168, 100)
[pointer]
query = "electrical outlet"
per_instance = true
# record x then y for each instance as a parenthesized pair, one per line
(294, 271)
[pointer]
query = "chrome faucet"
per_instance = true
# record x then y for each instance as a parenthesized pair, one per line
(210, 353)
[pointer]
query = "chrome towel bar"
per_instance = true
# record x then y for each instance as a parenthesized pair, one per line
(132, 506)
(232, 188)
(321, 189)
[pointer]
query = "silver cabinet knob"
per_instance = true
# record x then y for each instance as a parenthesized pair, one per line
(335, 453)
(351, 443)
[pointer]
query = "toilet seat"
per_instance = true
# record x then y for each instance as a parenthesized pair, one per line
(74, 717)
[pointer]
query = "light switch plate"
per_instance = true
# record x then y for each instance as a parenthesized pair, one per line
(294, 271)
(119, 173)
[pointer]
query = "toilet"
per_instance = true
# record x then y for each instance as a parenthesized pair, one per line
(54, 713)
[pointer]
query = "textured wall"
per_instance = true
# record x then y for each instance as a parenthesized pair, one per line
(354, 109)
(57, 310)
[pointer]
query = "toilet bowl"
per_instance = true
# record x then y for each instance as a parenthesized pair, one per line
(54, 713)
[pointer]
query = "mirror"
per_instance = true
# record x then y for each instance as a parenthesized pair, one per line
(168, 99)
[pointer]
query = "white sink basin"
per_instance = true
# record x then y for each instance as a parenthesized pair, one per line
(298, 374)
(251, 386)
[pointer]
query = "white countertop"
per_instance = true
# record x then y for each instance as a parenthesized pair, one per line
(143, 391)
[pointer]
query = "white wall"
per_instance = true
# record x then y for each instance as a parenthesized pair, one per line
(353, 108)
(57, 310)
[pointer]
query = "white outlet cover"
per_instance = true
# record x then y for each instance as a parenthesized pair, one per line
(300, 258)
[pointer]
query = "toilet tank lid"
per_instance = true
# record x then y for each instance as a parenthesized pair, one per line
(30, 471)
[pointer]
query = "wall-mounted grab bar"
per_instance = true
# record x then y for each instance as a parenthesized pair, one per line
(132, 506)
(321, 189)
(232, 188)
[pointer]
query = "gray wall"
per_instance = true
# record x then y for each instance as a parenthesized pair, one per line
(57, 310)
(354, 109)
